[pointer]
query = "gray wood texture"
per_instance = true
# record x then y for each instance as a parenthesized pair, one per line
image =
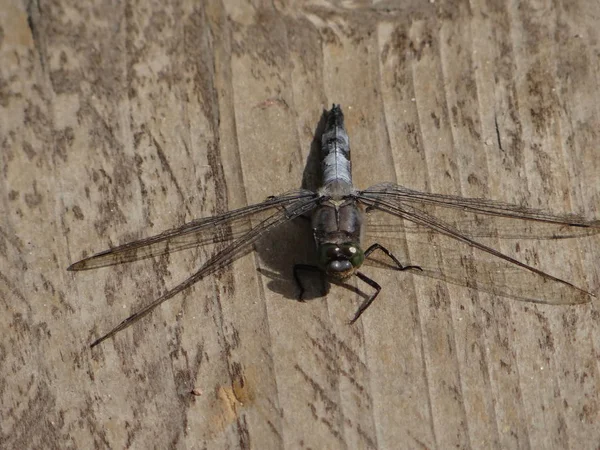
(121, 119)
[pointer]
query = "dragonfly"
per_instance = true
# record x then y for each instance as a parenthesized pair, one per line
(337, 212)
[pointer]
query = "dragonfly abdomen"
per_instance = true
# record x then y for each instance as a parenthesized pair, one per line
(335, 151)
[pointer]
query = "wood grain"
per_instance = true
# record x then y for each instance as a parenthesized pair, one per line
(119, 120)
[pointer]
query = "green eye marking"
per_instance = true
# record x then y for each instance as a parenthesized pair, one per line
(358, 256)
(345, 252)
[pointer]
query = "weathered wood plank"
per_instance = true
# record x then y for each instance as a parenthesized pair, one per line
(118, 121)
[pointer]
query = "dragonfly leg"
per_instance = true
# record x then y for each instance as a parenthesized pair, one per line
(362, 308)
(376, 246)
(307, 268)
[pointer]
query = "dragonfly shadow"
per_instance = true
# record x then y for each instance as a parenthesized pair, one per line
(280, 250)
(290, 249)
(312, 175)
(293, 243)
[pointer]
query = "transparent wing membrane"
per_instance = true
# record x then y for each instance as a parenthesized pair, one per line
(210, 230)
(502, 275)
(292, 208)
(456, 263)
(477, 226)
(397, 194)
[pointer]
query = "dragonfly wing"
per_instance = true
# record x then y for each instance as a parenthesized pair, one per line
(486, 217)
(225, 256)
(381, 224)
(558, 291)
(210, 230)
(452, 262)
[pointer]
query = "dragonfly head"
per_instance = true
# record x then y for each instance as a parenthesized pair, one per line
(340, 260)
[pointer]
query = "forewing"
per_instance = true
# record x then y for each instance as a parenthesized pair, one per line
(225, 256)
(210, 230)
(485, 217)
(380, 223)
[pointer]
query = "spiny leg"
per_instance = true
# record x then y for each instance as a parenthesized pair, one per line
(376, 246)
(368, 301)
(308, 268)
(372, 282)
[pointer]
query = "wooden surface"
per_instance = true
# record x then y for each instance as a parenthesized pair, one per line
(121, 119)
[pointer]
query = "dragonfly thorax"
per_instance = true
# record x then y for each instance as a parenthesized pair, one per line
(337, 229)
(340, 260)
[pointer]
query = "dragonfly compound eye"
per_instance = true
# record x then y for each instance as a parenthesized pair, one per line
(340, 259)
(339, 266)
(354, 254)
